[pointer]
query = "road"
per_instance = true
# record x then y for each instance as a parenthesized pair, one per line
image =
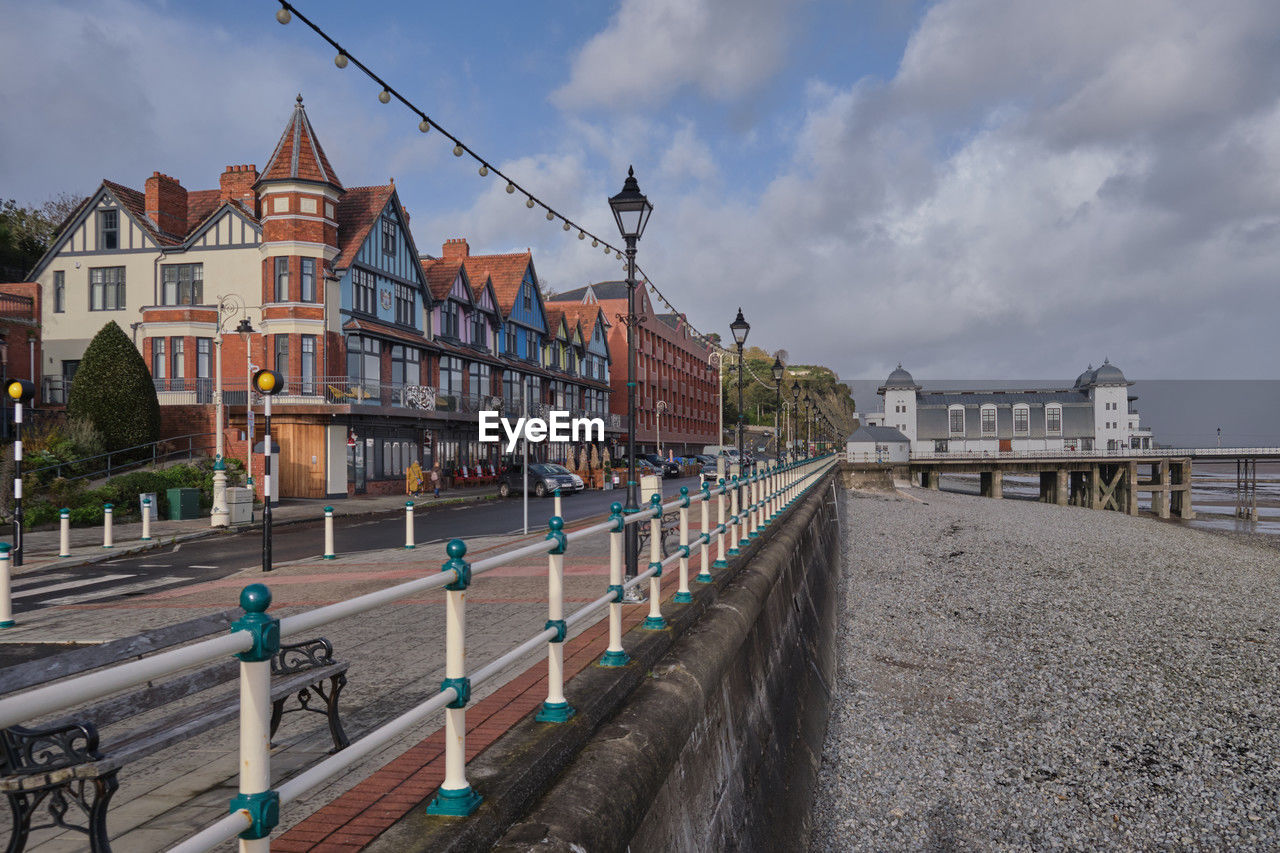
(208, 559)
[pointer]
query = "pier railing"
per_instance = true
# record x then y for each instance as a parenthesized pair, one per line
(743, 507)
(1126, 453)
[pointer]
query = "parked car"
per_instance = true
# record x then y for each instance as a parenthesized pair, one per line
(665, 467)
(710, 473)
(578, 485)
(543, 480)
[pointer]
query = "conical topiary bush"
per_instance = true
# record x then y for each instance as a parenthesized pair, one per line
(113, 390)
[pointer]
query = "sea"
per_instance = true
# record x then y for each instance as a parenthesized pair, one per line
(1180, 413)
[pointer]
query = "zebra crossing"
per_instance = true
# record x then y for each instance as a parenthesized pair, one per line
(47, 590)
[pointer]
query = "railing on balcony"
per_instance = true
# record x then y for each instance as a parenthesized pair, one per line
(15, 307)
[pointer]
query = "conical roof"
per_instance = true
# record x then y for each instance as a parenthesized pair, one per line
(900, 378)
(298, 155)
(1109, 374)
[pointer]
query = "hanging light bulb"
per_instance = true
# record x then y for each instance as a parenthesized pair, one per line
(582, 236)
(340, 60)
(385, 96)
(484, 169)
(607, 250)
(566, 225)
(550, 216)
(457, 150)
(510, 187)
(424, 125)
(283, 15)
(619, 256)
(595, 244)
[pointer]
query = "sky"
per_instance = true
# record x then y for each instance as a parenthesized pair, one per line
(973, 188)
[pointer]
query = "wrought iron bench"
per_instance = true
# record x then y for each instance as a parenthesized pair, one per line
(75, 760)
(670, 536)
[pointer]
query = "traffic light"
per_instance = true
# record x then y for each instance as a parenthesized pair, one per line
(21, 391)
(266, 382)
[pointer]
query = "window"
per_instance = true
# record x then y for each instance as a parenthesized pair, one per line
(450, 375)
(1021, 419)
(510, 348)
(282, 359)
(364, 292)
(106, 289)
(988, 420)
(282, 279)
(183, 284)
(157, 358)
(404, 365)
(940, 445)
(955, 418)
(388, 237)
(478, 328)
(204, 358)
(479, 376)
(404, 305)
(528, 299)
(108, 230)
(308, 365)
(59, 292)
(364, 360)
(1053, 419)
(449, 319)
(177, 361)
(308, 280)
(511, 391)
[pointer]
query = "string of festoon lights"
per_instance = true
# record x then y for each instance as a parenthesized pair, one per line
(344, 58)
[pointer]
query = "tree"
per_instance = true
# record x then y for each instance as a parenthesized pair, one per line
(25, 233)
(113, 390)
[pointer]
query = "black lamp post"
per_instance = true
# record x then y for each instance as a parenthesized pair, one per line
(740, 327)
(795, 413)
(808, 423)
(778, 371)
(631, 210)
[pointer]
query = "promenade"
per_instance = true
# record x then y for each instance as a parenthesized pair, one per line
(396, 656)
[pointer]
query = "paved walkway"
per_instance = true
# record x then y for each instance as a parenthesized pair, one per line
(41, 546)
(396, 655)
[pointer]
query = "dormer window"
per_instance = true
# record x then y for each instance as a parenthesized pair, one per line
(478, 329)
(449, 319)
(108, 230)
(388, 236)
(528, 300)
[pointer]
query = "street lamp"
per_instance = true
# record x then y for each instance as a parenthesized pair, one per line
(778, 371)
(245, 330)
(228, 306)
(661, 407)
(740, 327)
(795, 410)
(631, 211)
(717, 357)
(808, 423)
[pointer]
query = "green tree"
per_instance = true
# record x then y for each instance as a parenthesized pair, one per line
(25, 233)
(114, 391)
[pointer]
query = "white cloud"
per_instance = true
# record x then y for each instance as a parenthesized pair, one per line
(653, 48)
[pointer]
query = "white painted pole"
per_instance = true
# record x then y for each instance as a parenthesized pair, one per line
(64, 532)
(408, 525)
(683, 595)
(146, 519)
(733, 516)
(6, 601)
(614, 655)
(654, 620)
(255, 746)
(720, 529)
(704, 576)
(455, 719)
(106, 526)
(555, 709)
(328, 534)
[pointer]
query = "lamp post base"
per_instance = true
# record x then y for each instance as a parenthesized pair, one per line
(220, 516)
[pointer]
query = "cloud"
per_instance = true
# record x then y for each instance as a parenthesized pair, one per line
(654, 48)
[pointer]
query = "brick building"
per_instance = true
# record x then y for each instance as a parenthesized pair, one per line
(671, 366)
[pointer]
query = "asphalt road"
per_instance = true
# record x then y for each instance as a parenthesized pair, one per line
(208, 559)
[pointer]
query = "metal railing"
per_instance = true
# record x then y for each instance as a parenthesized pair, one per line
(1126, 452)
(129, 458)
(756, 501)
(15, 307)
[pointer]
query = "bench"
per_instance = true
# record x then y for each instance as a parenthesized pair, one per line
(72, 761)
(670, 536)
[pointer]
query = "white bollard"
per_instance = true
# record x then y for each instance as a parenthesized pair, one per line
(106, 526)
(408, 524)
(255, 715)
(704, 576)
(455, 796)
(146, 519)
(614, 655)
(683, 595)
(655, 621)
(6, 601)
(64, 532)
(557, 513)
(556, 708)
(328, 534)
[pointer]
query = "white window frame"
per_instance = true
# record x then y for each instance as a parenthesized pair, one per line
(1048, 430)
(951, 412)
(1025, 411)
(982, 419)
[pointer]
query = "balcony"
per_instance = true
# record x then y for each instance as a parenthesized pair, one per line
(14, 307)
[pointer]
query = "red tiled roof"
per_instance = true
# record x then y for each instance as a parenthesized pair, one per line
(298, 155)
(505, 271)
(136, 203)
(357, 211)
(440, 275)
(200, 204)
(373, 327)
(586, 315)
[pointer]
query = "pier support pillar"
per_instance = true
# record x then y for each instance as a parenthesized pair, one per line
(991, 483)
(1163, 497)
(1095, 486)
(1180, 488)
(929, 480)
(1131, 489)
(1062, 490)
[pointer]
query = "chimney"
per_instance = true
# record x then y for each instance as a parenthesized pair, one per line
(167, 204)
(236, 184)
(456, 248)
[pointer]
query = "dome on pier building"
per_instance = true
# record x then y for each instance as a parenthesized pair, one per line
(1086, 378)
(900, 379)
(1109, 374)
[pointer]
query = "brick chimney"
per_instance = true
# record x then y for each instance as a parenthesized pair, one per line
(236, 184)
(167, 204)
(456, 248)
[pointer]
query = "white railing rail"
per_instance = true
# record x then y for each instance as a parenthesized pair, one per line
(758, 498)
(1126, 453)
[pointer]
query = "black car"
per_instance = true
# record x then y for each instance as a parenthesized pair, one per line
(543, 480)
(665, 466)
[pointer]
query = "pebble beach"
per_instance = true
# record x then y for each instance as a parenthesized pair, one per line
(1019, 676)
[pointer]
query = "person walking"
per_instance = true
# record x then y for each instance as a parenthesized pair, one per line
(435, 479)
(413, 479)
